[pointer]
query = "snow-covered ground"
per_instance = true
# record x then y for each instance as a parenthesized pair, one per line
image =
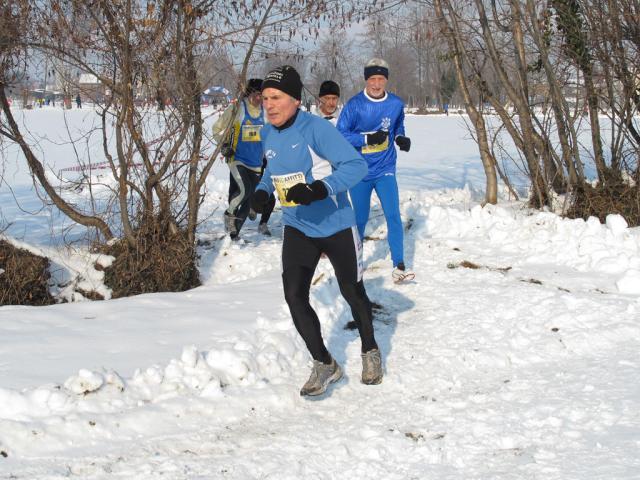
(513, 355)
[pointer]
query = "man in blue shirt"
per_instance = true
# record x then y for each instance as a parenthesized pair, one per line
(311, 167)
(372, 121)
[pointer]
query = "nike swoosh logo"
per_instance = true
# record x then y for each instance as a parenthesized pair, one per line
(294, 146)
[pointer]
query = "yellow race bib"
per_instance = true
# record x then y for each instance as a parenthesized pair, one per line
(283, 183)
(376, 148)
(251, 133)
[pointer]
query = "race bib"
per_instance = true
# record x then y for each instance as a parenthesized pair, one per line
(376, 148)
(283, 183)
(251, 133)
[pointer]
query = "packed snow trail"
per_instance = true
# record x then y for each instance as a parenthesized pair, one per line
(504, 368)
(513, 355)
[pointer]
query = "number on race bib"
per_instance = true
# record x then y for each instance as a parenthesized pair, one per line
(283, 183)
(251, 133)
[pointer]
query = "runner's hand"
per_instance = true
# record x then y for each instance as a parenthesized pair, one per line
(376, 138)
(404, 143)
(226, 150)
(259, 200)
(304, 194)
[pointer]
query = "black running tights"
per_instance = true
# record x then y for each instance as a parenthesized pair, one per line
(300, 256)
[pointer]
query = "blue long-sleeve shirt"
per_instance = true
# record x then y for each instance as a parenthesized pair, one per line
(312, 149)
(362, 115)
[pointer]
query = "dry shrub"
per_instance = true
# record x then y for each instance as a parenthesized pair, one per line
(600, 201)
(160, 262)
(25, 279)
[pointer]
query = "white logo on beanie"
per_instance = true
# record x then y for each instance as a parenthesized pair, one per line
(285, 79)
(274, 75)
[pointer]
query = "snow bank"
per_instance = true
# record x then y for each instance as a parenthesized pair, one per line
(197, 373)
(73, 269)
(530, 237)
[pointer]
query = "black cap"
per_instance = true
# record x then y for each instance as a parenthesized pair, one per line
(329, 87)
(254, 85)
(285, 79)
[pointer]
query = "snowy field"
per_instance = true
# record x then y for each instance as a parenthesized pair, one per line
(513, 355)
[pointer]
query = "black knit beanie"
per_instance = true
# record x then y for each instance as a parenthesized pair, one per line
(285, 79)
(329, 87)
(253, 85)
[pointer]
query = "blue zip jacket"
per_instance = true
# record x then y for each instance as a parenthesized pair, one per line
(363, 114)
(312, 149)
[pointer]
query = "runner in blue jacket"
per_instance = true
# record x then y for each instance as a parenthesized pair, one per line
(243, 151)
(371, 121)
(311, 167)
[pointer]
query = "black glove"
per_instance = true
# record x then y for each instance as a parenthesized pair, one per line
(226, 150)
(376, 138)
(304, 194)
(259, 200)
(404, 143)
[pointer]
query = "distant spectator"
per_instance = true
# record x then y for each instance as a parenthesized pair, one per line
(445, 107)
(78, 101)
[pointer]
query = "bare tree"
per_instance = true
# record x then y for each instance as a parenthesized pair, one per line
(452, 31)
(539, 27)
(537, 64)
(335, 59)
(616, 47)
(137, 49)
(570, 21)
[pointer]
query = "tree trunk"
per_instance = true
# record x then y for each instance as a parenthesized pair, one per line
(570, 22)
(566, 132)
(488, 160)
(519, 98)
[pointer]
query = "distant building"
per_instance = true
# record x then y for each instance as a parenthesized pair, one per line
(91, 88)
